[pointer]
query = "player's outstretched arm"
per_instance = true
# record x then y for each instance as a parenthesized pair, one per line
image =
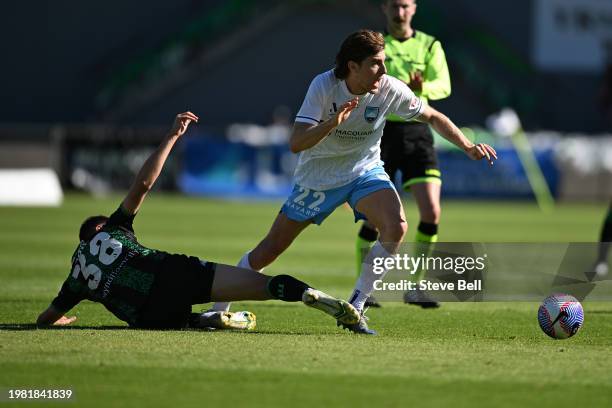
(305, 136)
(51, 316)
(148, 174)
(444, 126)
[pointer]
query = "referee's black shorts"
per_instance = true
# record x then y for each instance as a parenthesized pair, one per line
(179, 284)
(409, 148)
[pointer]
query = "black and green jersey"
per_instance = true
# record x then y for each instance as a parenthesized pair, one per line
(115, 270)
(423, 53)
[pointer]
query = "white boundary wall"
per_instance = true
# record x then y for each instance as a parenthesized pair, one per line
(30, 187)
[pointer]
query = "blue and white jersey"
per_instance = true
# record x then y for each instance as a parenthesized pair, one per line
(352, 148)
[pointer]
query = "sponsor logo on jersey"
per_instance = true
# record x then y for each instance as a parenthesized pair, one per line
(371, 113)
(352, 135)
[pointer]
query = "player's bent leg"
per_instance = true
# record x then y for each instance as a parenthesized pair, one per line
(282, 233)
(382, 208)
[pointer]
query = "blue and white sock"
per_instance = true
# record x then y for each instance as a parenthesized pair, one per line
(365, 284)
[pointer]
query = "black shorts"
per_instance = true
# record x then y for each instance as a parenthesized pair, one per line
(409, 148)
(174, 290)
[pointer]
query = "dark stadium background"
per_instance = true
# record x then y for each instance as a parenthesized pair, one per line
(65, 58)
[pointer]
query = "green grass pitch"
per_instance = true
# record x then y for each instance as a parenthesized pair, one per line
(462, 355)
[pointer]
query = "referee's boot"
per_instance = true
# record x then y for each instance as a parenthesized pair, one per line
(420, 298)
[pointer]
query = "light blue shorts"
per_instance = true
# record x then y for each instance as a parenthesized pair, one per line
(305, 204)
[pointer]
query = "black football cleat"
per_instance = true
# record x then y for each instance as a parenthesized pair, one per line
(420, 298)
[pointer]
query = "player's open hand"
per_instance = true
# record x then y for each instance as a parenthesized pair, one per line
(345, 111)
(480, 151)
(64, 321)
(181, 123)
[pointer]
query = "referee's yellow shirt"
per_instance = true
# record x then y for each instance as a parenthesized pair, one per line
(421, 52)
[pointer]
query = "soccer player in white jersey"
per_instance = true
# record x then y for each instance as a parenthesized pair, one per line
(337, 133)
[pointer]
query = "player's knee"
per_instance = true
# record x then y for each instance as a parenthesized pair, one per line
(394, 231)
(402, 229)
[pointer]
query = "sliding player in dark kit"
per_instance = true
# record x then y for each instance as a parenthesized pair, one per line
(148, 288)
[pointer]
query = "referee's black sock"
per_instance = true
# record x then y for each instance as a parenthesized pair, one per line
(286, 288)
(426, 237)
(606, 230)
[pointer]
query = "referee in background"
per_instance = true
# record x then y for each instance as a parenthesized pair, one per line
(419, 60)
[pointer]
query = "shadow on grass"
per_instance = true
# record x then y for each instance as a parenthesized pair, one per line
(298, 333)
(32, 326)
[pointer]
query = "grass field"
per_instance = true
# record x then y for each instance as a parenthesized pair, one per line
(462, 355)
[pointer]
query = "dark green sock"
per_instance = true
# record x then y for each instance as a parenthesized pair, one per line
(286, 288)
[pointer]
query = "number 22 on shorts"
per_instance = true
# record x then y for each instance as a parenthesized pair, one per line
(318, 196)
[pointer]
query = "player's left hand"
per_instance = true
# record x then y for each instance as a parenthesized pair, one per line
(482, 150)
(181, 123)
(345, 111)
(64, 321)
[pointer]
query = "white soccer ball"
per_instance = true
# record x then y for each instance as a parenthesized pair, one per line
(560, 316)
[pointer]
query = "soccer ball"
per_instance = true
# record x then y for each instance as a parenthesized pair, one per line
(560, 316)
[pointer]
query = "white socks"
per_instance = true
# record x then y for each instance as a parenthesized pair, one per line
(365, 284)
(225, 306)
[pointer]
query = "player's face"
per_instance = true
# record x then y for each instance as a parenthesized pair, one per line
(399, 12)
(369, 73)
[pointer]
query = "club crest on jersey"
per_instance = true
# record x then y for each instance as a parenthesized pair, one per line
(371, 113)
